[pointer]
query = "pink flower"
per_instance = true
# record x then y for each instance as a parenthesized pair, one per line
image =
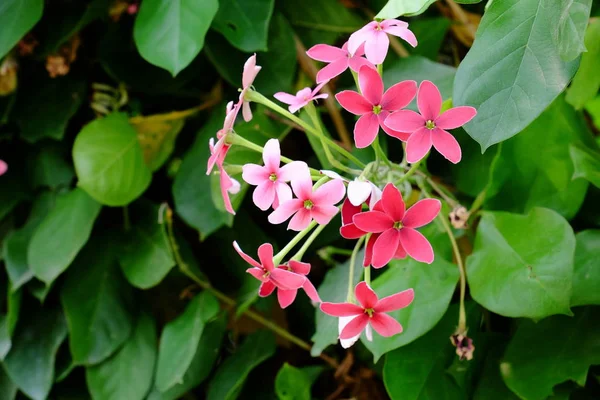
(228, 185)
(248, 76)
(302, 97)
(429, 127)
(373, 35)
(397, 227)
(270, 179)
(266, 272)
(374, 105)
(371, 311)
(219, 150)
(318, 205)
(339, 60)
(3, 167)
(287, 297)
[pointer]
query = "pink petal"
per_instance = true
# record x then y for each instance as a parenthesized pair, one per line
(429, 100)
(365, 295)
(416, 245)
(341, 309)
(246, 111)
(264, 195)
(376, 47)
(245, 256)
(385, 325)
(393, 22)
(399, 96)
(258, 273)
(265, 255)
(405, 121)
(293, 171)
(355, 327)
(285, 210)
(400, 252)
(285, 98)
(310, 291)
(266, 288)
(358, 192)
(250, 71)
(447, 145)
(403, 33)
(254, 174)
(326, 53)
(350, 231)
(283, 193)
(348, 211)
(272, 155)
(385, 248)
(371, 85)
(383, 115)
(332, 70)
(302, 187)
(360, 36)
(455, 117)
(369, 249)
(323, 213)
(342, 322)
(417, 145)
(395, 301)
(392, 202)
(373, 221)
(356, 62)
(366, 130)
(421, 213)
(226, 184)
(286, 297)
(299, 267)
(4, 167)
(286, 280)
(317, 89)
(354, 102)
(301, 220)
(295, 107)
(331, 192)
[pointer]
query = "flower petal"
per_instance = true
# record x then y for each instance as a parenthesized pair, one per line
(272, 155)
(266, 288)
(371, 85)
(329, 193)
(332, 70)
(421, 213)
(245, 256)
(385, 325)
(342, 322)
(397, 134)
(264, 195)
(400, 252)
(369, 249)
(246, 111)
(303, 187)
(429, 100)
(405, 121)
(292, 171)
(254, 174)
(258, 273)
(399, 96)
(310, 291)
(376, 47)
(355, 327)
(357, 62)
(265, 255)
(366, 130)
(373, 221)
(455, 117)
(360, 36)
(418, 145)
(395, 301)
(4, 167)
(416, 245)
(226, 184)
(301, 220)
(285, 210)
(341, 309)
(350, 231)
(365, 295)
(286, 297)
(447, 145)
(358, 192)
(392, 202)
(354, 102)
(326, 53)
(385, 248)
(348, 211)
(250, 71)
(299, 267)
(323, 213)
(286, 280)
(403, 33)
(286, 98)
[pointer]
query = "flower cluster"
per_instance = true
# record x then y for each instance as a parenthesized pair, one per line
(373, 210)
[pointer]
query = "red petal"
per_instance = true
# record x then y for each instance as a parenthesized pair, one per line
(341, 309)
(245, 256)
(354, 102)
(421, 213)
(266, 288)
(365, 295)
(373, 221)
(416, 245)
(385, 248)
(355, 327)
(447, 145)
(286, 297)
(399, 96)
(371, 84)
(392, 202)
(395, 301)
(429, 100)
(265, 255)
(455, 117)
(385, 325)
(286, 280)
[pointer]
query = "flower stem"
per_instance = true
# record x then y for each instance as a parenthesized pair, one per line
(382, 155)
(298, 256)
(413, 168)
(283, 252)
(350, 296)
(368, 275)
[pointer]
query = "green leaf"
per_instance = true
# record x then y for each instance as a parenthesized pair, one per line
(145, 253)
(531, 367)
(230, 375)
(431, 33)
(109, 161)
(514, 70)
(571, 28)
(587, 81)
(49, 167)
(8, 389)
(586, 163)
(179, 340)
(98, 304)
(586, 271)
(397, 8)
(170, 33)
(245, 23)
(127, 374)
(8, 322)
(522, 265)
(292, 383)
(61, 234)
(17, 17)
(491, 386)
(30, 362)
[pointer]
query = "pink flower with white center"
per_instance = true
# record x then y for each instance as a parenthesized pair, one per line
(371, 311)
(339, 60)
(318, 204)
(248, 76)
(266, 272)
(373, 105)
(302, 97)
(397, 227)
(3, 167)
(270, 179)
(374, 37)
(287, 297)
(219, 150)
(430, 126)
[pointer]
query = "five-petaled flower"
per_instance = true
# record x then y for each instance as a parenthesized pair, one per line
(219, 150)
(374, 36)
(286, 297)
(302, 97)
(371, 311)
(374, 106)
(3, 167)
(270, 179)
(339, 60)
(248, 76)
(397, 227)
(430, 126)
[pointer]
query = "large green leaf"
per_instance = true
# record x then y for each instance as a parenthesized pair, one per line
(544, 354)
(8, 389)
(8, 322)
(245, 23)
(61, 234)
(30, 362)
(180, 338)
(292, 383)
(431, 33)
(522, 265)
(571, 28)
(587, 80)
(586, 163)
(17, 17)
(109, 161)
(490, 385)
(514, 69)
(127, 374)
(397, 8)
(98, 304)
(49, 166)
(586, 270)
(231, 375)
(170, 33)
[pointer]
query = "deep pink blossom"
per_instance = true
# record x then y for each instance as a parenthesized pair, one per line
(266, 272)
(339, 60)
(287, 297)
(318, 204)
(248, 76)
(373, 105)
(370, 311)
(429, 127)
(3, 167)
(219, 150)
(397, 227)
(374, 36)
(302, 97)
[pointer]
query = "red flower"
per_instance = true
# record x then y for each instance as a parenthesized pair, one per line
(287, 297)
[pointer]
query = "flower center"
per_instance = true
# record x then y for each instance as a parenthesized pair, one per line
(398, 225)
(429, 124)
(376, 109)
(378, 27)
(267, 274)
(308, 204)
(273, 177)
(369, 311)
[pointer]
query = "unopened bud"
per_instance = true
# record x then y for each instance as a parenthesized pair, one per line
(459, 217)
(464, 346)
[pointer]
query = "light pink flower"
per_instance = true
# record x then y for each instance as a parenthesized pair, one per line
(3, 167)
(270, 179)
(374, 37)
(339, 60)
(228, 185)
(248, 76)
(219, 150)
(302, 97)
(429, 127)
(318, 205)
(397, 227)
(373, 105)
(287, 297)
(266, 272)
(370, 311)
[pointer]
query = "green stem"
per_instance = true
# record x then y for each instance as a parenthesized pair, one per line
(350, 295)
(380, 69)
(298, 256)
(413, 168)
(355, 76)
(368, 275)
(283, 252)
(126, 221)
(382, 155)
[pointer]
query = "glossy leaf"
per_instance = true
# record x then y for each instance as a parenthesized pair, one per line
(17, 17)
(571, 28)
(586, 271)
(170, 34)
(245, 23)
(61, 234)
(398, 8)
(514, 69)
(292, 383)
(586, 163)
(522, 265)
(109, 161)
(586, 81)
